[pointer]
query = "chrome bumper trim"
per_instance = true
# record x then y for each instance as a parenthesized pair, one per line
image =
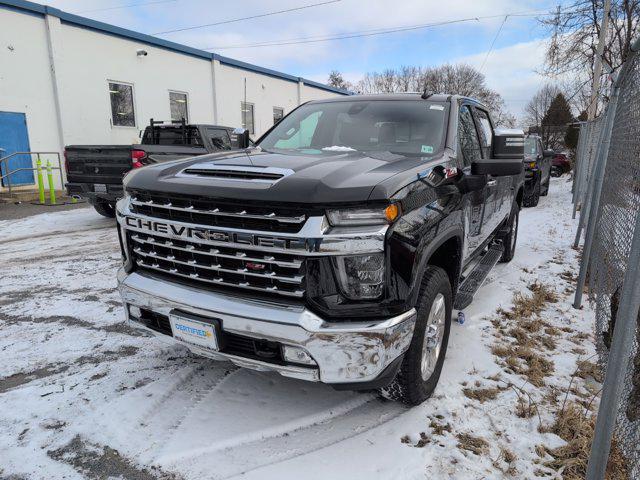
(344, 352)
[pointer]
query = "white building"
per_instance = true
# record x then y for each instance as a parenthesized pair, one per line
(66, 79)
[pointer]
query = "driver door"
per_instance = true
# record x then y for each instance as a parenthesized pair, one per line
(479, 211)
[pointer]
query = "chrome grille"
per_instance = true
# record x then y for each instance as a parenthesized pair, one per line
(206, 211)
(278, 273)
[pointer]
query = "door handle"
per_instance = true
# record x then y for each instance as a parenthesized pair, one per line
(492, 183)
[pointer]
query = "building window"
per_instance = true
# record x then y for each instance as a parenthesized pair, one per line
(247, 116)
(278, 113)
(178, 104)
(122, 113)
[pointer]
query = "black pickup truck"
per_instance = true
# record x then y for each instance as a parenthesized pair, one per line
(95, 171)
(335, 248)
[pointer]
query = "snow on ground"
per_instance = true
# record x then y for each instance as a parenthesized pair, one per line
(82, 395)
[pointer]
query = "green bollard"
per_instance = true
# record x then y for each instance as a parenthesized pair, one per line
(40, 181)
(52, 190)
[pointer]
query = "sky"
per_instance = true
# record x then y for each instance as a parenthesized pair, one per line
(511, 67)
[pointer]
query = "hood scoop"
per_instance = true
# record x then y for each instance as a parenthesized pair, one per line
(238, 173)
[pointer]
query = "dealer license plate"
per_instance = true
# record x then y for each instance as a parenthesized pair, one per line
(194, 332)
(99, 188)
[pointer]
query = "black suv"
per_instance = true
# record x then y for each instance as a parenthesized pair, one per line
(537, 170)
(333, 250)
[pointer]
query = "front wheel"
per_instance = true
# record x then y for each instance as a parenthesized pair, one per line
(420, 370)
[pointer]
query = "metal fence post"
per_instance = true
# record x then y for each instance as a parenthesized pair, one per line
(577, 168)
(621, 349)
(594, 194)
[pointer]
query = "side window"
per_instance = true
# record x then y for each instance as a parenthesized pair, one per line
(178, 106)
(219, 138)
(540, 148)
(278, 114)
(246, 110)
(468, 137)
(302, 136)
(487, 131)
(122, 111)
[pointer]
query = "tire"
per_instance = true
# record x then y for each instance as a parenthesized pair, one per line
(105, 209)
(412, 384)
(532, 198)
(545, 190)
(509, 240)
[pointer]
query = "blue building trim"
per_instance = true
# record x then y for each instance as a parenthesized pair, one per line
(24, 6)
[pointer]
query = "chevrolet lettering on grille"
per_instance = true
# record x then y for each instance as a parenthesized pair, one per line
(185, 232)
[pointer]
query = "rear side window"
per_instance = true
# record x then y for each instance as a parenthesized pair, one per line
(468, 141)
(486, 130)
(219, 138)
(172, 136)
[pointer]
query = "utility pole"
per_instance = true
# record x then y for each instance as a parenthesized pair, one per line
(597, 62)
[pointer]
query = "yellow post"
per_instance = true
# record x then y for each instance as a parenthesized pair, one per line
(52, 190)
(40, 181)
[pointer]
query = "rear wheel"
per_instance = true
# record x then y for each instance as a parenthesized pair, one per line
(532, 197)
(510, 239)
(545, 187)
(105, 209)
(420, 370)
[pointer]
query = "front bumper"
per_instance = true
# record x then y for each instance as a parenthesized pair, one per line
(345, 353)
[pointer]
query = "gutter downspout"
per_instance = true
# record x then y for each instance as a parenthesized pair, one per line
(51, 23)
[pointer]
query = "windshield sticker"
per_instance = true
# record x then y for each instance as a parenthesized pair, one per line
(436, 107)
(427, 149)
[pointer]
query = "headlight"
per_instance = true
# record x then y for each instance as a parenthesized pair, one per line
(361, 276)
(363, 216)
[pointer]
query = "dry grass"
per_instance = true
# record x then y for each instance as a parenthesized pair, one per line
(525, 361)
(508, 457)
(481, 394)
(439, 428)
(588, 369)
(475, 445)
(526, 306)
(575, 425)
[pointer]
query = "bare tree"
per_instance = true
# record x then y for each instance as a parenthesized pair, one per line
(538, 106)
(459, 79)
(575, 31)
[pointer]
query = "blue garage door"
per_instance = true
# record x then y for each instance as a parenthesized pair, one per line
(14, 138)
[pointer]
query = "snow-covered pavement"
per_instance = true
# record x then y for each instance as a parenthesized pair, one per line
(82, 395)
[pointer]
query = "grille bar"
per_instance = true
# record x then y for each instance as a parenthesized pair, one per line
(217, 212)
(297, 279)
(221, 281)
(216, 253)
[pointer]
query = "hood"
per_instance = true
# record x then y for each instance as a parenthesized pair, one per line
(257, 175)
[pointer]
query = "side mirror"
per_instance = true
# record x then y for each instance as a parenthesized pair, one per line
(548, 153)
(243, 137)
(507, 155)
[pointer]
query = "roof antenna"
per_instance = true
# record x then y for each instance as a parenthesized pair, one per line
(426, 94)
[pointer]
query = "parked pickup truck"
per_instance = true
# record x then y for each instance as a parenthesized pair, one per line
(95, 171)
(335, 248)
(537, 170)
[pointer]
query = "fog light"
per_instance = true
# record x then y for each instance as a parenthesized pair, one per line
(135, 311)
(296, 355)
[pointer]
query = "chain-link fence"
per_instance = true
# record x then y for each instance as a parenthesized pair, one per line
(607, 193)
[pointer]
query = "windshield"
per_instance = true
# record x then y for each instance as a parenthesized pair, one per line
(529, 146)
(397, 126)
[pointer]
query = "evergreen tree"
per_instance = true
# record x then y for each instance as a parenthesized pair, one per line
(336, 80)
(556, 122)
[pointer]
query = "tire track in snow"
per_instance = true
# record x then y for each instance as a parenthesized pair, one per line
(304, 436)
